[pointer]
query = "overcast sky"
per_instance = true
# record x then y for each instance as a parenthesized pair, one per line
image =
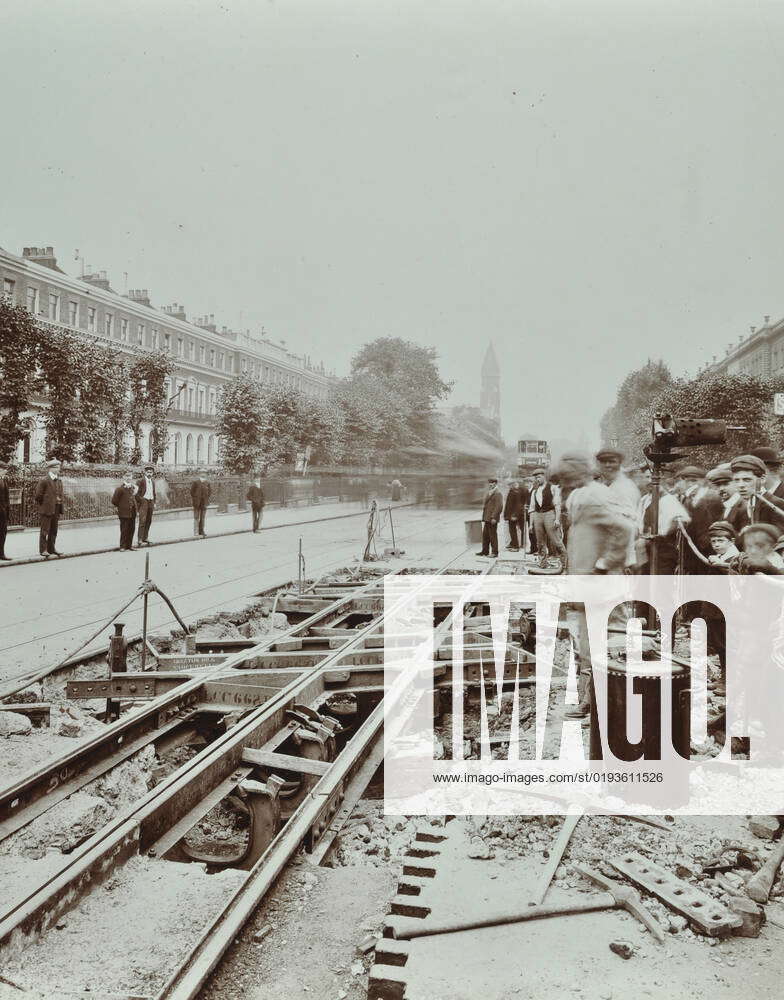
(584, 183)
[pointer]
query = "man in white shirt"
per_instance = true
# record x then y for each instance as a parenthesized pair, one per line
(146, 495)
(623, 489)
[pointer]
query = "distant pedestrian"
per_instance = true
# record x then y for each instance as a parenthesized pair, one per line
(256, 496)
(491, 515)
(146, 495)
(200, 497)
(397, 488)
(513, 515)
(4, 510)
(124, 499)
(49, 497)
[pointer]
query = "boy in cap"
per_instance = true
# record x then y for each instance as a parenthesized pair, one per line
(491, 514)
(124, 500)
(759, 550)
(4, 509)
(722, 541)
(49, 497)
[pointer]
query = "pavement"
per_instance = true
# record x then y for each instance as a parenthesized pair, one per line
(51, 608)
(77, 538)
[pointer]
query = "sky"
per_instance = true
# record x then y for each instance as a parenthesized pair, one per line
(587, 184)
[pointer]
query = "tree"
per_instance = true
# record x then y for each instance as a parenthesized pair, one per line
(242, 424)
(61, 375)
(409, 372)
(147, 376)
(18, 363)
(102, 404)
(620, 425)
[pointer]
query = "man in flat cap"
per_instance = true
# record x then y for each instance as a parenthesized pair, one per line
(200, 497)
(124, 500)
(628, 496)
(491, 514)
(704, 506)
(49, 497)
(772, 485)
(748, 474)
(721, 480)
(545, 518)
(4, 510)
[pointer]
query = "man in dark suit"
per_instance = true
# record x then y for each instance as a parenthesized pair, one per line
(49, 497)
(146, 495)
(256, 496)
(491, 514)
(200, 497)
(704, 506)
(4, 508)
(513, 515)
(124, 499)
(772, 485)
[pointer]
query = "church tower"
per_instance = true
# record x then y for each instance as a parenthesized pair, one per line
(490, 395)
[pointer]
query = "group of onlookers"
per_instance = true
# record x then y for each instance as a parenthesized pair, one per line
(134, 500)
(727, 519)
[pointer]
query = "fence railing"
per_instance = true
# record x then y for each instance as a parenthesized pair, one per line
(87, 490)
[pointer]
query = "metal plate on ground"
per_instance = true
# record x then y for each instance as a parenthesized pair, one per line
(706, 914)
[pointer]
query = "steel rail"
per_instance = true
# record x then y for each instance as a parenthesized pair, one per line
(143, 823)
(188, 980)
(61, 776)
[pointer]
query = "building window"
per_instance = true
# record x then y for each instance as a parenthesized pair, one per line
(124, 330)
(190, 350)
(54, 306)
(167, 341)
(212, 359)
(244, 366)
(190, 400)
(202, 354)
(8, 288)
(91, 318)
(154, 338)
(32, 300)
(73, 313)
(108, 323)
(201, 400)
(221, 359)
(180, 343)
(140, 333)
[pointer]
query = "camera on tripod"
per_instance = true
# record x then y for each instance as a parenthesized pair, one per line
(669, 432)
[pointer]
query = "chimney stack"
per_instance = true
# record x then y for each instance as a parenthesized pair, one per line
(175, 310)
(141, 296)
(98, 279)
(41, 255)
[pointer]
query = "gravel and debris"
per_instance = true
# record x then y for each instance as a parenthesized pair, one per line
(80, 956)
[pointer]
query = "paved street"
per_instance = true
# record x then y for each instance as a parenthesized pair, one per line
(99, 536)
(51, 608)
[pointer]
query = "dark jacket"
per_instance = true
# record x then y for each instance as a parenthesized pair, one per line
(140, 487)
(493, 505)
(704, 507)
(765, 514)
(256, 496)
(124, 499)
(200, 493)
(513, 508)
(49, 496)
(4, 501)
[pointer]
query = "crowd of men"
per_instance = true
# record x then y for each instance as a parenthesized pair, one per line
(134, 500)
(597, 517)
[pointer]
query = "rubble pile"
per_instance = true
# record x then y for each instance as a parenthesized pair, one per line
(370, 838)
